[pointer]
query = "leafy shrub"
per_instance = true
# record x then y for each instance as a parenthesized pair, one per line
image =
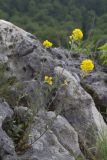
(103, 56)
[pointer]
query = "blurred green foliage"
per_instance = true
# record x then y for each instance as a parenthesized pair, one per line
(55, 19)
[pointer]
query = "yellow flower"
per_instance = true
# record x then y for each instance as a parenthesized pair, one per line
(65, 82)
(87, 65)
(48, 80)
(77, 34)
(47, 44)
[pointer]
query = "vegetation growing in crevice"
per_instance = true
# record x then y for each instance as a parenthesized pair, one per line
(49, 86)
(6, 84)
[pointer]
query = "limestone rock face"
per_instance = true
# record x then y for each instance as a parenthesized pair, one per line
(5, 111)
(96, 86)
(79, 109)
(59, 139)
(25, 55)
(21, 50)
(66, 135)
(7, 150)
(56, 133)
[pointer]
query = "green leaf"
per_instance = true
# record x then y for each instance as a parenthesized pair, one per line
(103, 47)
(103, 56)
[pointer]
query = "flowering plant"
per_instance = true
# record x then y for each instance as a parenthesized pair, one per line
(103, 56)
(48, 80)
(77, 35)
(87, 65)
(47, 44)
(75, 39)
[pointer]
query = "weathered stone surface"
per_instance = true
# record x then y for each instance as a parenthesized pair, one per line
(48, 146)
(21, 51)
(68, 60)
(5, 111)
(96, 86)
(59, 139)
(79, 109)
(67, 136)
(26, 57)
(14, 40)
(7, 150)
(28, 61)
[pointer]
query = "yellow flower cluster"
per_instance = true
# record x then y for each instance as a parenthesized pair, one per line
(47, 44)
(65, 82)
(48, 80)
(87, 65)
(77, 35)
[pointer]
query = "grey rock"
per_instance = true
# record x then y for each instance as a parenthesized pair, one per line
(26, 59)
(5, 111)
(67, 136)
(48, 146)
(23, 54)
(7, 150)
(95, 83)
(67, 59)
(14, 40)
(96, 86)
(79, 109)
(3, 59)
